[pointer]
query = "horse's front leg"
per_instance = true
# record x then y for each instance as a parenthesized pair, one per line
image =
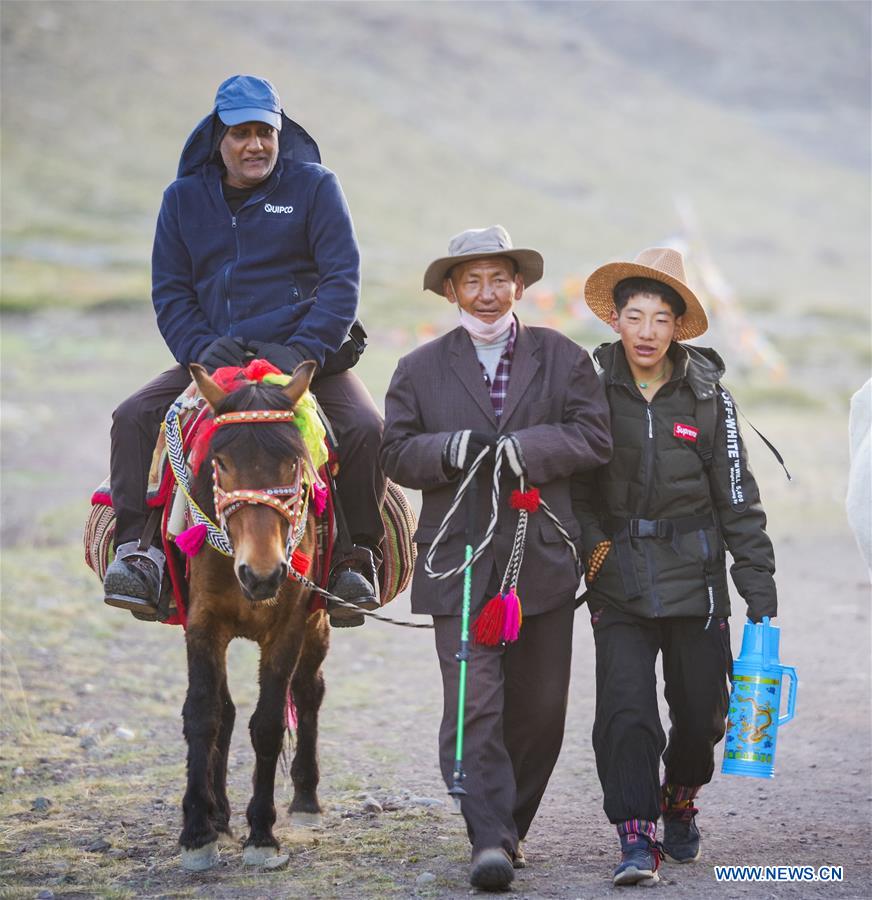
(307, 686)
(267, 733)
(202, 715)
(221, 817)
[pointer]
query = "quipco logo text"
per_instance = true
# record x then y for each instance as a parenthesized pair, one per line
(268, 207)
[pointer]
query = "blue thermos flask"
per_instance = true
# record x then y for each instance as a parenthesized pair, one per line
(755, 703)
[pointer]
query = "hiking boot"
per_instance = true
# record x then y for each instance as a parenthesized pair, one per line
(133, 580)
(680, 834)
(640, 859)
(355, 580)
(492, 870)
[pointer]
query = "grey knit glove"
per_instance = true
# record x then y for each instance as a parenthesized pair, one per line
(462, 449)
(514, 456)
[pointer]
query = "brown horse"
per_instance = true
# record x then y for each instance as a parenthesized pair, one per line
(252, 473)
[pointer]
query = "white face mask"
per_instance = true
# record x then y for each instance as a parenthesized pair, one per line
(485, 332)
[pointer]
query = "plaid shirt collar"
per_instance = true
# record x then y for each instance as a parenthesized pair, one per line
(499, 387)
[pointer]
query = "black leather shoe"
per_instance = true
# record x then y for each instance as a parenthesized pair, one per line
(133, 580)
(354, 580)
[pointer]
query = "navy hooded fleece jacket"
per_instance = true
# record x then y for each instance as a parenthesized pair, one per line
(284, 269)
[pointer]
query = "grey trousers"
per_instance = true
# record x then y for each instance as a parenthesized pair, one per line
(347, 404)
(516, 699)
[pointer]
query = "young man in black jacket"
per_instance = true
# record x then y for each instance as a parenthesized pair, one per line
(656, 522)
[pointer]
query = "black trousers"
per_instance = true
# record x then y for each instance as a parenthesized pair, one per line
(516, 699)
(628, 739)
(347, 404)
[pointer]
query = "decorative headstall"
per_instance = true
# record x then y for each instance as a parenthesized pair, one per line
(290, 501)
(293, 508)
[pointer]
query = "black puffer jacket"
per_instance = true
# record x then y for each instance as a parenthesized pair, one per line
(669, 513)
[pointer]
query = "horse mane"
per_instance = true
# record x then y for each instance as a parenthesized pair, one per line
(277, 439)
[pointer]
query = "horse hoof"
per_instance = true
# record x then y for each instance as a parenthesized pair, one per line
(201, 859)
(262, 856)
(306, 819)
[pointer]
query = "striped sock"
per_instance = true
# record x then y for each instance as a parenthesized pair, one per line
(678, 796)
(638, 826)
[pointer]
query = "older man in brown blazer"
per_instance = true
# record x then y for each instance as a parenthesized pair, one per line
(449, 400)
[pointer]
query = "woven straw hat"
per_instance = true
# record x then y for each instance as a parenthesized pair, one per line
(661, 264)
(480, 243)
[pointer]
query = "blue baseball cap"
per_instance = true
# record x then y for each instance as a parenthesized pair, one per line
(247, 98)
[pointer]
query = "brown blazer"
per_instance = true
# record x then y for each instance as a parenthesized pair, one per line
(556, 408)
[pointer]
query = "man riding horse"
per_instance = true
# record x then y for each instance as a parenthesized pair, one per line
(254, 256)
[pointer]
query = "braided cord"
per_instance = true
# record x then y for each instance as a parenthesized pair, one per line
(519, 544)
(560, 529)
(215, 536)
(517, 554)
(455, 505)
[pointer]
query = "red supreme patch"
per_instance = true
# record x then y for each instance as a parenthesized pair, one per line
(685, 432)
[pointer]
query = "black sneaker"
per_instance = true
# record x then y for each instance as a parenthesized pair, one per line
(640, 859)
(353, 579)
(133, 580)
(680, 835)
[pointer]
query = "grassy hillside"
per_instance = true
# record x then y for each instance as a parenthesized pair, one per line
(575, 125)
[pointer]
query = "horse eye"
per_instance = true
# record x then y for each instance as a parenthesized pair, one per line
(220, 463)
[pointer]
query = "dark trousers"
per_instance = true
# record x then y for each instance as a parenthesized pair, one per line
(347, 404)
(515, 711)
(628, 739)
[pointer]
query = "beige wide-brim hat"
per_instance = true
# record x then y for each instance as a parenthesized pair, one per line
(480, 243)
(661, 264)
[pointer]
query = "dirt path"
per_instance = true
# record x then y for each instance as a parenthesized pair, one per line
(92, 751)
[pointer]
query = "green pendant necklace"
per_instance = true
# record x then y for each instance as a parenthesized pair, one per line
(646, 384)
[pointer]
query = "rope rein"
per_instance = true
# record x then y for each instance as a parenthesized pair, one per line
(310, 585)
(517, 554)
(455, 505)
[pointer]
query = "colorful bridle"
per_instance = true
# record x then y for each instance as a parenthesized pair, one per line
(293, 507)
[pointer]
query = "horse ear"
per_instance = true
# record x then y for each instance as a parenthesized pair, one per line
(208, 387)
(301, 378)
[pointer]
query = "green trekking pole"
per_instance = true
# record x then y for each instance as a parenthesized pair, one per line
(456, 790)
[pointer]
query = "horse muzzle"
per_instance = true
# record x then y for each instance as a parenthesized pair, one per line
(257, 586)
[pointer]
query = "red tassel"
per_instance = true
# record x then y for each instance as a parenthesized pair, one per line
(488, 627)
(528, 500)
(227, 378)
(191, 541)
(300, 562)
(257, 368)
